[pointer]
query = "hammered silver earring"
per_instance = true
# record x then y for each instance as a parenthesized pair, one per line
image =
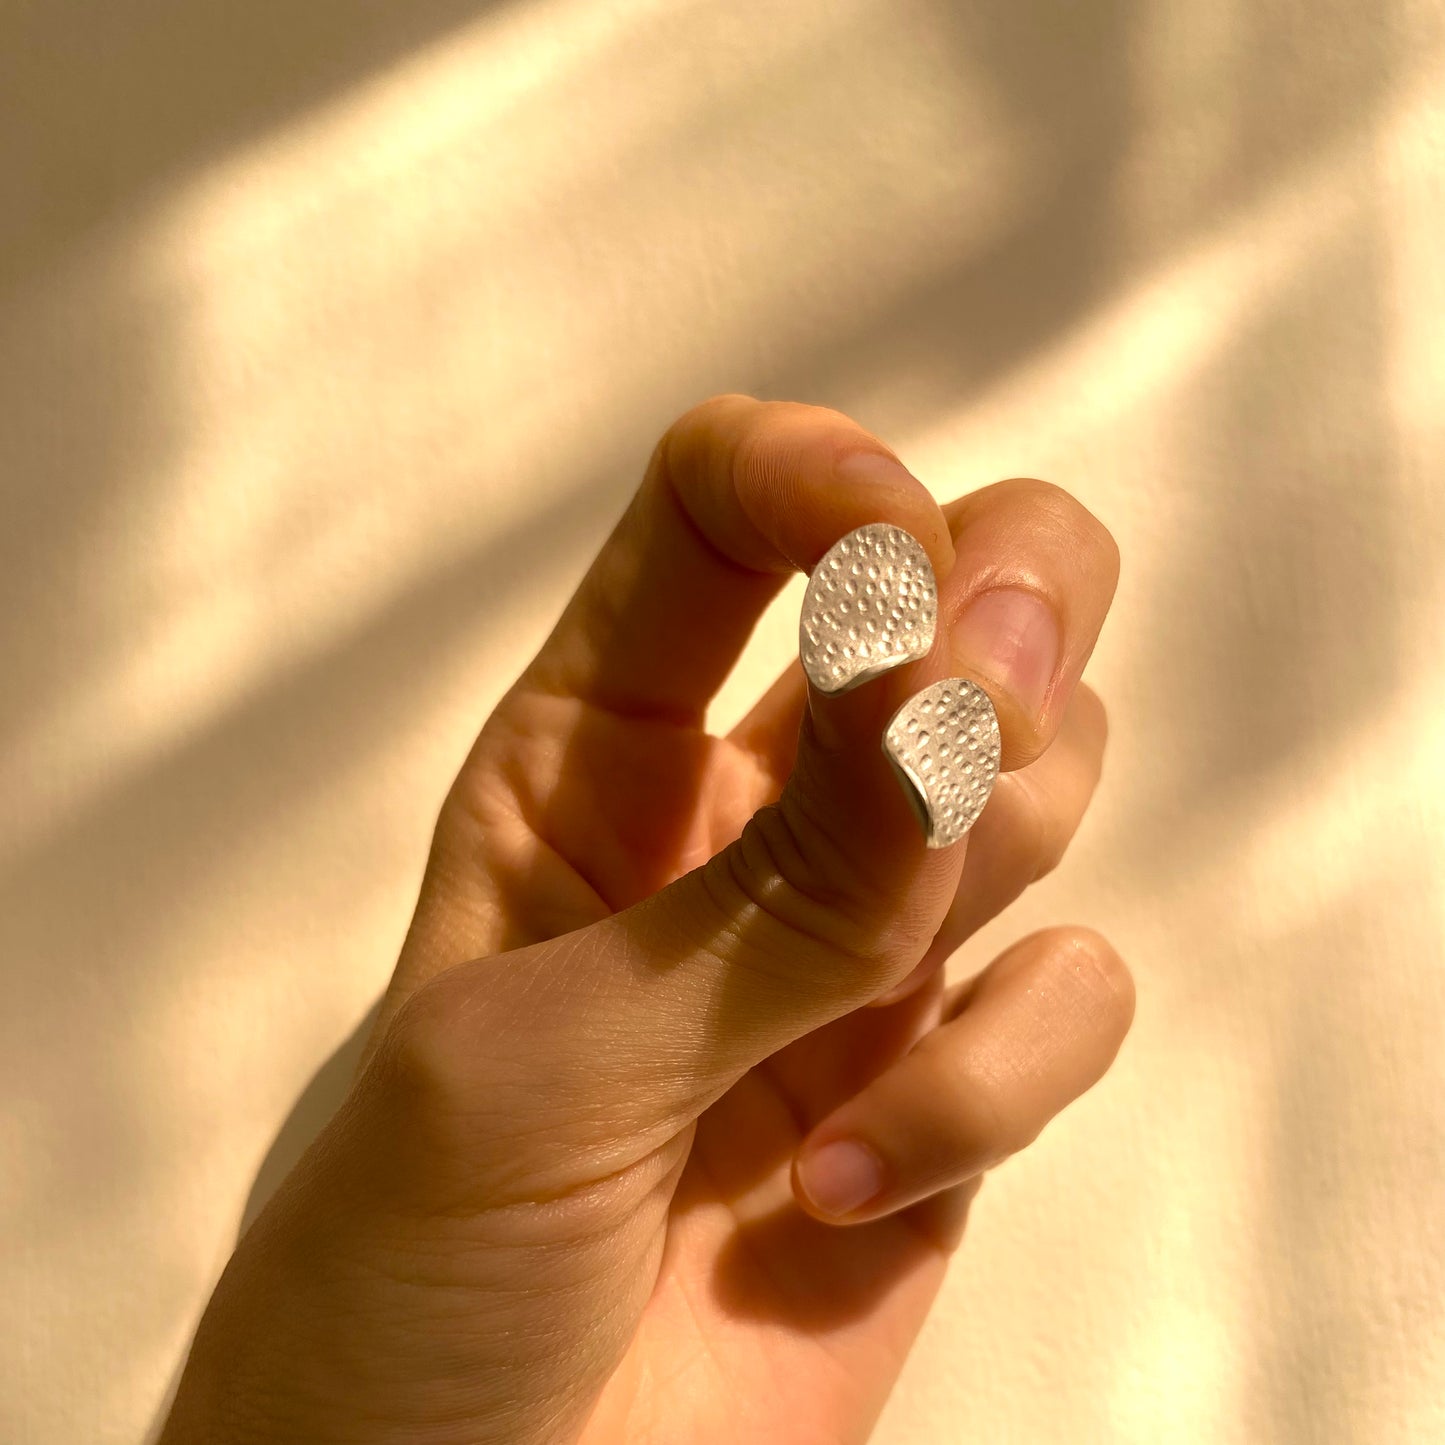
(872, 605)
(944, 746)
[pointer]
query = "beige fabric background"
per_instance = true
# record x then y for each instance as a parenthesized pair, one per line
(332, 337)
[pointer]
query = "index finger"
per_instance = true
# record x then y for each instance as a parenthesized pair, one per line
(738, 494)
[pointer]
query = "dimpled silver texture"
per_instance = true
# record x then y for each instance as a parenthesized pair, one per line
(871, 604)
(944, 742)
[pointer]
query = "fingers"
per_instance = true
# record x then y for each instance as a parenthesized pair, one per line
(608, 1041)
(1030, 820)
(1032, 1033)
(1039, 573)
(1033, 578)
(625, 1030)
(738, 494)
(1022, 834)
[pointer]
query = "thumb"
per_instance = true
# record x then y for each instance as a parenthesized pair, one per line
(591, 1047)
(607, 1041)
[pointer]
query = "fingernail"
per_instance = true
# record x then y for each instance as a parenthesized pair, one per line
(841, 1176)
(1010, 637)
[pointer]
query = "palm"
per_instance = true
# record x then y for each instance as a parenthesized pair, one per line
(764, 1324)
(555, 1229)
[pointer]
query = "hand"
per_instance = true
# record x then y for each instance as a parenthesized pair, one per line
(631, 1157)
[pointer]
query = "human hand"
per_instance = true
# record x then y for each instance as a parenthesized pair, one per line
(592, 1182)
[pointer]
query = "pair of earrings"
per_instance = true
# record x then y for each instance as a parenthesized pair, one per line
(872, 605)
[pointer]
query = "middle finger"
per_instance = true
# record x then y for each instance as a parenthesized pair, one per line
(1021, 611)
(1023, 832)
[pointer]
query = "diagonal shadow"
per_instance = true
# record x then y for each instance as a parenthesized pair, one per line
(111, 98)
(207, 75)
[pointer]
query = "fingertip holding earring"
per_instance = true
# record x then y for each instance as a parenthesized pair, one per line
(871, 605)
(944, 745)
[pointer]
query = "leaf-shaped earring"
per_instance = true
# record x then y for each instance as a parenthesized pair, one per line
(871, 605)
(944, 745)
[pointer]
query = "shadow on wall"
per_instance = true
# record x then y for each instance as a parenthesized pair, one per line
(1293, 542)
(111, 101)
(1060, 75)
(130, 98)
(1298, 554)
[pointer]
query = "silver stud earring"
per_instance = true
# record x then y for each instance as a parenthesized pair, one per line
(871, 605)
(944, 745)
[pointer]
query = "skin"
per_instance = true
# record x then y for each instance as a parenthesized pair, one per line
(652, 972)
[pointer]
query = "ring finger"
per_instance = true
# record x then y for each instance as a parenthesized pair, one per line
(1036, 1029)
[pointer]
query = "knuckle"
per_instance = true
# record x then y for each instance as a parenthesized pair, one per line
(422, 1057)
(460, 1050)
(1060, 512)
(488, 1129)
(799, 909)
(982, 1111)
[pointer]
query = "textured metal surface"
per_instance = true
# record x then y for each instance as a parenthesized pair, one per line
(871, 604)
(944, 742)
